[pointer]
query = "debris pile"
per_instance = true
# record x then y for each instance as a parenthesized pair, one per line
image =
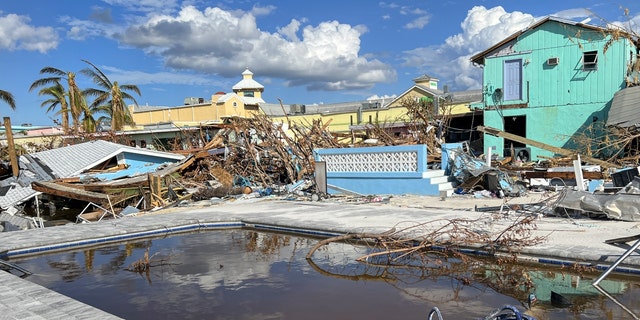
(256, 157)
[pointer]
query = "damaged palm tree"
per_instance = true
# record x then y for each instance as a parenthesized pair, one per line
(440, 237)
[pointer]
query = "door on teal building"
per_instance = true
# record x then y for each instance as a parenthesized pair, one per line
(512, 80)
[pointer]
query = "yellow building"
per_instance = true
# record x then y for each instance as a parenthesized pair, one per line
(246, 99)
(348, 116)
(242, 102)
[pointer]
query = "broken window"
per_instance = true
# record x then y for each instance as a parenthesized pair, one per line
(590, 60)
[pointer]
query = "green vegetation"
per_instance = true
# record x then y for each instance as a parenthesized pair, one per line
(7, 97)
(109, 99)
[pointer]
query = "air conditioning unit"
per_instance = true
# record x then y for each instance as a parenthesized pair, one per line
(553, 61)
(522, 153)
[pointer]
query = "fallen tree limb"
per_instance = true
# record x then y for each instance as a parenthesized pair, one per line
(448, 234)
(349, 236)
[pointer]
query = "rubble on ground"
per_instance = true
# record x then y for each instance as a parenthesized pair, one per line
(255, 157)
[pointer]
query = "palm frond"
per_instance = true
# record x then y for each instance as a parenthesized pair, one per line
(44, 82)
(96, 75)
(7, 97)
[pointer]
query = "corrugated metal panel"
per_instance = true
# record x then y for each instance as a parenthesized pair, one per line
(625, 111)
(72, 160)
(20, 190)
(67, 161)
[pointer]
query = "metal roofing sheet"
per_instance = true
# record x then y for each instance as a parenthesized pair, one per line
(625, 110)
(65, 162)
(72, 160)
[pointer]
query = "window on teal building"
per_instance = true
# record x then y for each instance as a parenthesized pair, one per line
(590, 60)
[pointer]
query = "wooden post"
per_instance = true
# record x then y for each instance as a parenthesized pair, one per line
(155, 190)
(13, 157)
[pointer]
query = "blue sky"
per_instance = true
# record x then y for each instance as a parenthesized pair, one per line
(303, 52)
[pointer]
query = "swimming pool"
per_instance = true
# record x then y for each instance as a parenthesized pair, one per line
(249, 274)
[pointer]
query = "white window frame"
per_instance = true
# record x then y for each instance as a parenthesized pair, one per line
(590, 60)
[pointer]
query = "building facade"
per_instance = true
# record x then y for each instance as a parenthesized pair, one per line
(552, 82)
(243, 101)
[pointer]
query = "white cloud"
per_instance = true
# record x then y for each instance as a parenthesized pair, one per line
(321, 57)
(164, 6)
(144, 78)
(262, 11)
(17, 34)
(573, 13)
(377, 97)
(85, 29)
(481, 29)
(290, 31)
(418, 23)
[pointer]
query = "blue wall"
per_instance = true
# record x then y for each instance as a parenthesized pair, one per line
(137, 164)
(384, 179)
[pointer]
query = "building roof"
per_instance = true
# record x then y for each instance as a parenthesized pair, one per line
(245, 100)
(454, 96)
(424, 77)
(624, 110)
(66, 162)
(479, 57)
(72, 160)
(465, 96)
(277, 110)
(251, 100)
(247, 82)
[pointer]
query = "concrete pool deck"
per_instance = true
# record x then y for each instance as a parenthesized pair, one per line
(567, 240)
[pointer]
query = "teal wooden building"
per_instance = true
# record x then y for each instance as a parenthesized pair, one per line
(551, 82)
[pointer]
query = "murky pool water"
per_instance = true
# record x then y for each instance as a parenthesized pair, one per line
(244, 274)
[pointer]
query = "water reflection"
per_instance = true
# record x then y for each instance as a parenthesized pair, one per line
(241, 274)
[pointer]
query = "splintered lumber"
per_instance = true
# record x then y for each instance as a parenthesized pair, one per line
(155, 187)
(561, 174)
(13, 156)
(64, 191)
(561, 151)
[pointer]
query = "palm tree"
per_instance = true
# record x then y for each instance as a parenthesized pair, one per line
(110, 97)
(77, 103)
(7, 97)
(58, 98)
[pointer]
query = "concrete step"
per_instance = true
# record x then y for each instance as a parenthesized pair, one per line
(433, 174)
(437, 177)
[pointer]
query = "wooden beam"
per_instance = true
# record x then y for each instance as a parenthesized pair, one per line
(13, 157)
(60, 190)
(562, 174)
(561, 151)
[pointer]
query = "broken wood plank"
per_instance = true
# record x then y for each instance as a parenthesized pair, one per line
(13, 156)
(561, 151)
(64, 191)
(155, 187)
(560, 174)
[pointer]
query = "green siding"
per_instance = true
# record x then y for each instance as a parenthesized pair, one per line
(560, 100)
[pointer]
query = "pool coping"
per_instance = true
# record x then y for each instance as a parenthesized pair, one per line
(570, 244)
(209, 226)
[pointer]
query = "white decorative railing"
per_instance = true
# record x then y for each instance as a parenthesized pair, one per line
(402, 161)
(377, 170)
